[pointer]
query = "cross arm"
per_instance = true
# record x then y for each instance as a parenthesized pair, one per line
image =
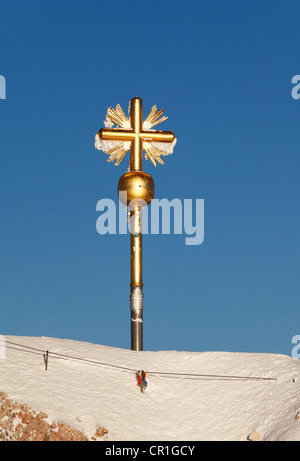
(116, 135)
(157, 136)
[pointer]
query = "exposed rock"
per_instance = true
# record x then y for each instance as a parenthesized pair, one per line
(19, 422)
(254, 437)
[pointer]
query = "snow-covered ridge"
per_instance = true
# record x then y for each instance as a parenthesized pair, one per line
(185, 405)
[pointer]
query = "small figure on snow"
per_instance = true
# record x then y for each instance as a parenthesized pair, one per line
(141, 380)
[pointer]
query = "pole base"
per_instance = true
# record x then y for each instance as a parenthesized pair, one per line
(136, 309)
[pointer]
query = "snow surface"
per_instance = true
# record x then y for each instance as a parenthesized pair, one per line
(172, 408)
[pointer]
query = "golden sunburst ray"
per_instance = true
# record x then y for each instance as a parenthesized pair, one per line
(117, 152)
(118, 117)
(153, 118)
(153, 153)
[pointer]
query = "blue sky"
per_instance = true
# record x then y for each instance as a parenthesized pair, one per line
(222, 71)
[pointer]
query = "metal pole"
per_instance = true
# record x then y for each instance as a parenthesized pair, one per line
(136, 296)
(136, 241)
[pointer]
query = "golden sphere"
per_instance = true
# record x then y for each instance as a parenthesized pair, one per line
(139, 187)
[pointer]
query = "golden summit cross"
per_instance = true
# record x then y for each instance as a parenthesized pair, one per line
(134, 135)
(136, 188)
